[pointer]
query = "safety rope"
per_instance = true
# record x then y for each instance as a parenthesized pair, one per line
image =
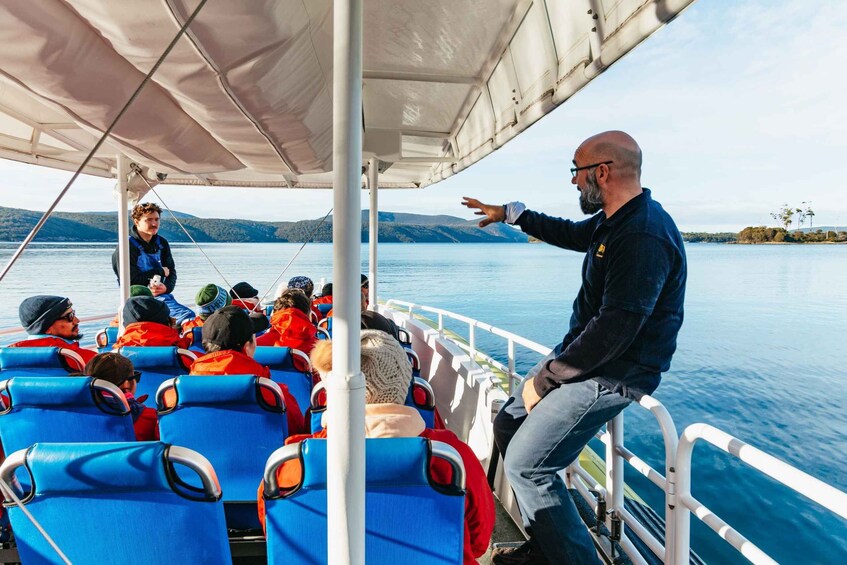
(308, 240)
(10, 492)
(100, 142)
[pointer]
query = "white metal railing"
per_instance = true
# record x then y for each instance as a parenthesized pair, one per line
(810, 487)
(676, 481)
(470, 347)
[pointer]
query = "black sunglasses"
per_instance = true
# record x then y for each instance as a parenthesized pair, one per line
(575, 170)
(69, 317)
(136, 376)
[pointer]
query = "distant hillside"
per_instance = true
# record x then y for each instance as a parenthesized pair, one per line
(15, 224)
(707, 237)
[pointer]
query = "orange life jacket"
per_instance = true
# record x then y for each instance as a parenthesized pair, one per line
(54, 341)
(229, 362)
(192, 323)
(294, 329)
(152, 334)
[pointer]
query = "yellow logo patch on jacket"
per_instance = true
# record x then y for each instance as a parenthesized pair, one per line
(601, 250)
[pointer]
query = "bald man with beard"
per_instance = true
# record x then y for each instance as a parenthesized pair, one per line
(621, 338)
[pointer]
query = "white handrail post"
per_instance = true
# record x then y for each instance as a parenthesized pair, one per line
(472, 341)
(373, 238)
(614, 469)
(123, 229)
(441, 324)
(346, 386)
(511, 353)
(682, 514)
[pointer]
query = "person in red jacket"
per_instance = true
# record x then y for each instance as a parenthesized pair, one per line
(387, 376)
(290, 324)
(308, 287)
(119, 371)
(148, 322)
(51, 321)
(230, 341)
(245, 297)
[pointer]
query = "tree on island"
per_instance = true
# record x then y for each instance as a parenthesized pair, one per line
(784, 216)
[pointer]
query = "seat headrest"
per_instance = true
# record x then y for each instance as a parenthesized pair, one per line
(390, 462)
(75, 468)
(15, 357)
(51, 391)
(229, 389)
(148, 357)
(274, 357)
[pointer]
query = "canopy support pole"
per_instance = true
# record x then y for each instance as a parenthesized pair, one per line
(123, 229)
(373, 237)
(346, 385)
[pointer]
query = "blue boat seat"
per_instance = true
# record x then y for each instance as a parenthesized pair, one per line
(399, 488)
(106, 338)
(280, 360)
(324, 309)
(196, 335)
(419, 388)
(118, 503)
(62, 409)
(39, 362)
(157, 364)
(236, 421)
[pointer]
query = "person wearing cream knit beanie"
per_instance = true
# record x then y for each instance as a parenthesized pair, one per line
(388, 375)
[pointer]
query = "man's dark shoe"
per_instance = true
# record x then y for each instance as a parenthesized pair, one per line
(524, 554)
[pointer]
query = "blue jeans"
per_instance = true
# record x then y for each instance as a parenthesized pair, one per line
(180, 312)
(537, 446)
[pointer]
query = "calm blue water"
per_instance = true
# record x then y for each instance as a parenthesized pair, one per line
(761, 354)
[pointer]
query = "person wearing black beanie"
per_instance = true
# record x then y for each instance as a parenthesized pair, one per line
(148, 322)
(244, 296)
(51, 322)
(146, 309)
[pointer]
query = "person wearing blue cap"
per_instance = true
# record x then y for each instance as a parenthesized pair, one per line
(51, 321)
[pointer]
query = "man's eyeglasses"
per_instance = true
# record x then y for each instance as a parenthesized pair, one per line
(575, 170)
(136, 376)
(69, 317)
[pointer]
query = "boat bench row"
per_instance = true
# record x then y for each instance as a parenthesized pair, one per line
(153, 502)
(159, 364)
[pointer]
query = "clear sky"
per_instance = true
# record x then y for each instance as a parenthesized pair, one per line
(739, 107)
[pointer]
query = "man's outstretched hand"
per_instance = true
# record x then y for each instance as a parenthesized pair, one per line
(492, 213)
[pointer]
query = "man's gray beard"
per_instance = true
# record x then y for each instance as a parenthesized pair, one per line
(590, 199)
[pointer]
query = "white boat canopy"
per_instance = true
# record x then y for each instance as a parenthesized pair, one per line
(245, 97)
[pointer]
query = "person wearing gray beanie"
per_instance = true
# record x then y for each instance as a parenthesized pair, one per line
(51, 321)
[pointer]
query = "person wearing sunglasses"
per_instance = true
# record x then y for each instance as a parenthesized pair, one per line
(119, 371)
(51, 321)
(621, 338)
